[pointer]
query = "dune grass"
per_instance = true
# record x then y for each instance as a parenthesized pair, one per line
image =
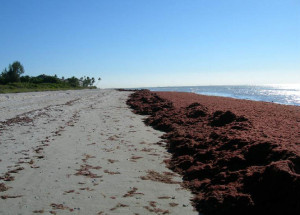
(31, 87)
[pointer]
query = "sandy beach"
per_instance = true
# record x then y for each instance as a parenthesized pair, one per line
(83, 152)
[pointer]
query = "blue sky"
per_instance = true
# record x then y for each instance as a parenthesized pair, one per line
(137, 43)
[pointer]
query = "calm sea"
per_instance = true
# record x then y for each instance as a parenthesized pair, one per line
(282, 94)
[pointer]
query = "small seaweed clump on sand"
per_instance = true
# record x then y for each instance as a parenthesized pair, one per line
(238, 157)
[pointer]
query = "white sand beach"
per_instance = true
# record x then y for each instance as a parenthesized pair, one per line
(83, 152)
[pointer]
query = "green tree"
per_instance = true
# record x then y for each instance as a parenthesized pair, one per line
(25, 78)
(87, 81)
(73, 81)
(47, 79)
(13, 73)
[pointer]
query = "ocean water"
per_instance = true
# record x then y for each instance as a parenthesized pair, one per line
(281, 94)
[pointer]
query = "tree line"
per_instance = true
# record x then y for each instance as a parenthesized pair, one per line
(13, 74)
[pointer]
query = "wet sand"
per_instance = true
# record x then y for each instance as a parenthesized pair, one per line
(83, 152)
(237, 156)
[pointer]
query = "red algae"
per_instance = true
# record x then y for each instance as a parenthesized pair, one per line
(237, 156)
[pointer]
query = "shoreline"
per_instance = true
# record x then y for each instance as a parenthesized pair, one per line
(279, 94)
(237, 156)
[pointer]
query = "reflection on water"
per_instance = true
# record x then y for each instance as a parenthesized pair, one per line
(282, 94)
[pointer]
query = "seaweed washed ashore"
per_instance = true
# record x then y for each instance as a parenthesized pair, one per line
(237, 156)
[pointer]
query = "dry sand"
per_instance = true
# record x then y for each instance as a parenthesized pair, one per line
(83, 152)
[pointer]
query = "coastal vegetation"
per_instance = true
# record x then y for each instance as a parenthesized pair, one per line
(12, 81)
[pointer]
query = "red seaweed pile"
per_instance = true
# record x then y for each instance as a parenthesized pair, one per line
(237, 156)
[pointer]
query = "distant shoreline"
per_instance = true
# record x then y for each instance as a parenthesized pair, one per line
(280, 94)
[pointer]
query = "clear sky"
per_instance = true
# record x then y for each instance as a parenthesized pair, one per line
(148, 43)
